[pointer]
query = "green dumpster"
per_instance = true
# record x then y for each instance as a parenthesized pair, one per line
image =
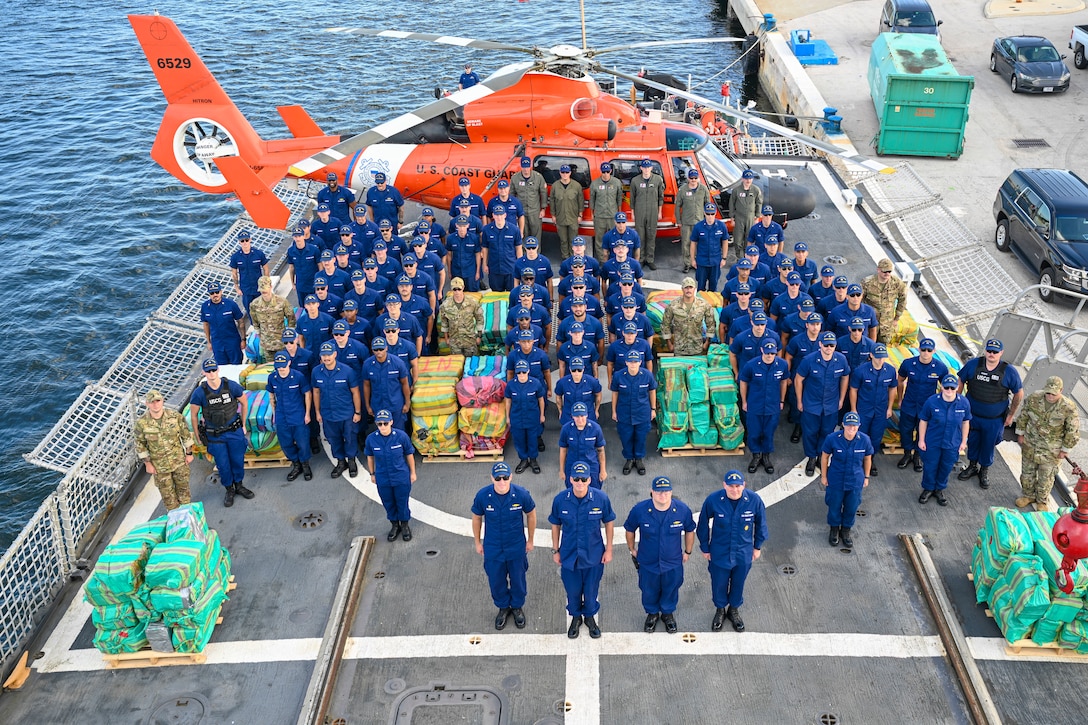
(921, 101)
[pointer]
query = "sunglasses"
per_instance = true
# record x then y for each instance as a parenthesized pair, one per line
(993, 352)
(950, 387)
(856, 294)
(827, 344)
(384, 423)
(502, 478)
(580, 480)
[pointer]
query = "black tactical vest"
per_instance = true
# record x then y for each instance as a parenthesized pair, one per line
(985, 386)
(221, 408)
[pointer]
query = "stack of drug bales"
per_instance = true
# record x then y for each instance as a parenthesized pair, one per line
(162, 585)
(482, 419)
(495, 306)
(1014, 564)
(684, 403)
(723, 398)
(434, 404)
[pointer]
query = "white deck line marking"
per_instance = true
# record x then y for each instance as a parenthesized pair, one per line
(583, 686)
(60, 642)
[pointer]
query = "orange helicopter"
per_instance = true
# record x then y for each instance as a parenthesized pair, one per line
(550, 109)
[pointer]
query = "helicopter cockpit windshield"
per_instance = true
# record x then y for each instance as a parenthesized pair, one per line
(719, 171)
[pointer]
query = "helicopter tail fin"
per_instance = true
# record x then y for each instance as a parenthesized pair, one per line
(202, 126)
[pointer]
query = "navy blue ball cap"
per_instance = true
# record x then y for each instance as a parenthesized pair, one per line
(326, 255)
(526, 162)
(345, 230)
(748, 174)
(330, 176)
(320, 282)
(243, 235)
(745, 264)
(841, 282)
(461, 221)
(378, 343)
(881, 350)
(327, 348)
(770, 346)
(927, 344)
(827, 271)
(289, 335)
(309, 299)
(525, 335)
(645, 164)
(606, 167)
(350, 305)
(808, 304)
(577, 301)
(759, 318)
(857, 324)
(949, 381)
(733, 478)
(392, 299)
(209, 365)
(383, 416)
(854, 289)
(994, 345)
(693, 174)
(710, 209)
(814, 318)
(530, 243)
(323, 207)
(767, 210)
(214, 287)
(385, 224)
(390, 324)
(500, 469)
(357, 274)
(427, 211)
(523, 314)
(340, 326)
(498, 211)
(800, 247)
(578, 242)
(463, 181)
(581, 468)
(828, 338)
(379, 178)
(577, 363)
(634, 356)
(577, 327)
(630, 328)
(851, 419)
(579, 408)
(620, 217)
(281, 361)
(661, 483)
(521, 366)
(503, 184)
(564, 169)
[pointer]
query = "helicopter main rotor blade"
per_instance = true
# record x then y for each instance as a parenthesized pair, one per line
(443, 39)
(830, 149)
(500, 79)
(660, 43)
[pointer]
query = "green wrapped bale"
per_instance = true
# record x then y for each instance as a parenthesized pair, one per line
(732, 439)
(698, 384)
(187, 522)
(985, 574)
(206, 607)
(153, 532)
(114, 616)
(707, 439)
(672, 440)
(179, 563)
(717, 357)
(1046, 632)
(116, 641)
(118, 573)
(1005, 533)
(1020, 597)
(1074, 635)
(699, 420)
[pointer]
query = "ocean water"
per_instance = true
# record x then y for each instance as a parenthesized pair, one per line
(97, 235)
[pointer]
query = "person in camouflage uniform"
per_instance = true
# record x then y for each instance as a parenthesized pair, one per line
(165, 446)
(462, 319)
(271, 315)
(605, 199)
(691, 200)
(887, 294)
(683, 321)
(1047, 430)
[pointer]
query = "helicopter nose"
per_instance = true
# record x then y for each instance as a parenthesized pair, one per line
(790, 199)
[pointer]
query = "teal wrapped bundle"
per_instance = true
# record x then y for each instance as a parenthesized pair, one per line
(672, 440)
(206, 607)
(192, 639)
(984, 572)
(254, 353)
(717, 357)
(178, 563)
(116, 641)
(1020, 597)
(153, 532)
(699, 420)
(259, 411)
(114, 616)
(187, 522)
(1005, 533)
(698, 384)
(705, 439)
(732, 438)
(1046, 632)
(118, 573)
(673, 413)
(1074, 635)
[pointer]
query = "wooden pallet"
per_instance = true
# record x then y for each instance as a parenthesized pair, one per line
(893, 450)
(276, 460)
(1028, 648)
(690, 450)
(459, 456)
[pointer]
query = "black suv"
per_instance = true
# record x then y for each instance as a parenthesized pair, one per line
(1042, 215)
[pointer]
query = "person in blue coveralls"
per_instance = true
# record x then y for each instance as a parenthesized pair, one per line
(390, 458)
(291, 398)
(634, 408)
(222, 404)
(515, 212)
(804, 266)
(582, 440)
(665, 537)
(501, 513)
(465, 197)
(799, 347)
(339, 408)
(501, 243)
(616, 357)
(732, 529)
(870, 397)
(824, 286)
(919, 377)
(223, 326)
(989, 381)
(302, 257)
(247, 265)
(468, 79)
(525, 397)
(943, 424)
(340, 200)
(709, 249)
(624, 233)
(821, 381)
(577, 346)
(466, 257)
(766, 228)
(385, 383)
(844, 471)
(364, 231)
(577, 517)
(304, 361)
(844, 314)
(315, 326)
(385, 202)
(857, 348)
(325, 229)
(577, 386)
(762, 385)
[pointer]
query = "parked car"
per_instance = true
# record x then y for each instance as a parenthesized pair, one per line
(1042, 216)
(1078, 41)
(908, 16)
(1031, 63)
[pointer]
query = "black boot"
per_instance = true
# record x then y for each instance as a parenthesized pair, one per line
(500, 618)
(295, 472)
(405, 531)
(872, 470)
(228, 496)
(242, 491)
(905, 460)
(640, 467)
(522, 465)
(651, 623)
(833, 536)
(970, 470)
(394, 531)
(519, 617)
(572, 630)
(917, 461)
(591, 625)
(734, 617)
(339, 469)
(670, 623)
(540, 444)
(810, 467)
(768, 464)
(627, 465)
(984, 477)
(535, 465)
(754, 465)
(795, 436)
(847, 537)
(353, 468)
(307, 474)
(719, 618)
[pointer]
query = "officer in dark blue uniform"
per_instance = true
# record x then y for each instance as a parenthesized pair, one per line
(348, 351)
(578, 251)
(732, 529)
(804, 266)
(501, 242)
(743, 323)
(468, 79)
(794, 324)
(339, 200)
(407, 324)
(577, 346)
(762, 384)
(634, 408)
(515, 212)
(824, 286)
(616, 357)
(989, 381)
(327, 301)
(364, 231)
(524, 321)
(339, 408)
(942, 437)
(304, 361)
(385, 202)
(828, 303)
(388, 266)
(578, 311)
(247, 265)
(314, 326)
(709, 249)
(525, 397)
(919, 378)
(766, 229)
(746, 345)
(624, 233)
(799, 347)
(463, 208)
(665, 537)
(532, 259)
(291, 399)
(501, 512)
(390, 458)
(325, 229)
(465, 197)
(579, 548)
(844, 472)
(789, 302)
(385, 383)
(527, 351)
(466, 258)
(223, 327)
(857, 348)
(368, 302)
(821, 381)
(582, 440)
(527, 278)
(870, 396)
(302, 256)
(223, 407)
(844, 314)
(577, 387)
